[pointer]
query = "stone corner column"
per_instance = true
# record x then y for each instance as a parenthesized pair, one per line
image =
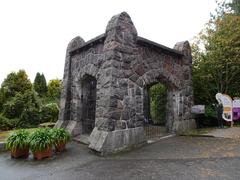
(64, 120)
(187, 121)
(111, 133)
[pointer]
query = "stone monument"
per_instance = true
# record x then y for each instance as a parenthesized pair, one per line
(105, 84)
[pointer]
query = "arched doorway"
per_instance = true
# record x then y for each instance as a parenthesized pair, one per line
(158, 103)
(88, 103)
(156, 110)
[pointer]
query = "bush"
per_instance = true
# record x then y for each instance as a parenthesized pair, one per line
(209, 118)
(7, 124)
(4, 122)
(14, 107)
(49, 112)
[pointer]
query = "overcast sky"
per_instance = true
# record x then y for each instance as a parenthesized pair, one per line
(34, 33)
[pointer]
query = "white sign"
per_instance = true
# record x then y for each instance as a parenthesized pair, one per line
(236, 103)
(198, 109)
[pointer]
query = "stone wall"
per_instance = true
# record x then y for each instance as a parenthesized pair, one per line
(123, 65)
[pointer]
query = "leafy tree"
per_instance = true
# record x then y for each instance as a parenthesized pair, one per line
(235, 6)
(40, 85)
(54, 89)
(216, 68)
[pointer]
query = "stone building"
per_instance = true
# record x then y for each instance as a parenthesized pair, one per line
(106, 81)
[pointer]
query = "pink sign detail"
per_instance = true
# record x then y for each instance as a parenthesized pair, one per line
(236, 109)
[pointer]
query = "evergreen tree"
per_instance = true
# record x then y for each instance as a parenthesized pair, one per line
(19, 104)
(40, 85)
(14, 83)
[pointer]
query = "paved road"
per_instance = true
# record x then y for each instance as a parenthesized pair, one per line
(174, 158)
(233, 132)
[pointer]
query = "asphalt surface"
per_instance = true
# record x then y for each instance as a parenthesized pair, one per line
(233, 132)
(180, 158)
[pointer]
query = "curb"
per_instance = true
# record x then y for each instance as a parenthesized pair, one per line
(151, 141)
(192, 135)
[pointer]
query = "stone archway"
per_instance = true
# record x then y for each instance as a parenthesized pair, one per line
(173, 99)
(155, 109)
(88, 103)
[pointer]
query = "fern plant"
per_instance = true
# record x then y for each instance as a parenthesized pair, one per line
(60, 135)
(41, 139)
(18, 140)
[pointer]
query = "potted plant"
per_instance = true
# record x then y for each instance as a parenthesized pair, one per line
(18, 143)
(60, 138)
(41, 142)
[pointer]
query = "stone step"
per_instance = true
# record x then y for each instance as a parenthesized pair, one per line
(83, 138)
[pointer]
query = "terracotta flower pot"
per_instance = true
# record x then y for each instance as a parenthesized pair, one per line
(20, 153)
(43, 154)
(60, 147)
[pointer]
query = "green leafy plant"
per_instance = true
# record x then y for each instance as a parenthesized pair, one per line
(49, 112)
(41, 139)
(60, 135)
(158, 100)
(18, 140)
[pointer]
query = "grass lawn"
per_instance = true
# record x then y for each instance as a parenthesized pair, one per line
(5, 134)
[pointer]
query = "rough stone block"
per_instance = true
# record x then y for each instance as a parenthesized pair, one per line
(111, 142)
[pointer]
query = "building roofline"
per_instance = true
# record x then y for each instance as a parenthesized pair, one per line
(141, 40)
(95, 40)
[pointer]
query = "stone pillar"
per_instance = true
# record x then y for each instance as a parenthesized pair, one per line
(116, 128)
(186, 94)
(64, 119)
